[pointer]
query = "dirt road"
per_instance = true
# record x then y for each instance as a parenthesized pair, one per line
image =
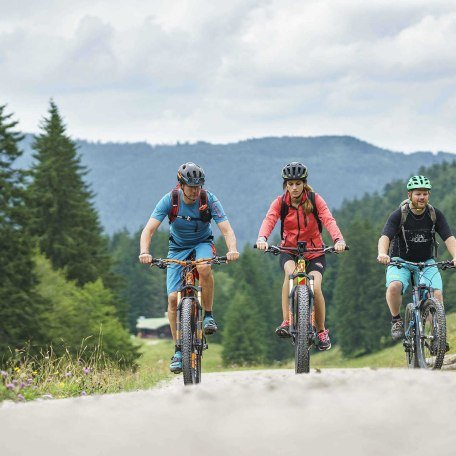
(337, 412)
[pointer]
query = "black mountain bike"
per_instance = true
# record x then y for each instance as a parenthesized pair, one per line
(190, 336)
(301, 303)
(424, 341)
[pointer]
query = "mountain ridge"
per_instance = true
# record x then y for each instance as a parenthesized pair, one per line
(128, 179)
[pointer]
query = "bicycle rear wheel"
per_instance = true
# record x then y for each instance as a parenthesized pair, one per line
(191, 356)
(303, 329)
(410, 339)
(433, 337)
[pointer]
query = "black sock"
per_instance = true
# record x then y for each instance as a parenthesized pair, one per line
(177, 349)
(396, 318)
(208, 313)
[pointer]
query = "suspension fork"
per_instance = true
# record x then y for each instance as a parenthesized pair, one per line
(178, 320)
(291, 287)
(199, 318)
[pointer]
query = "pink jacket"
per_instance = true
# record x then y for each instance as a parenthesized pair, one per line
(299, 226)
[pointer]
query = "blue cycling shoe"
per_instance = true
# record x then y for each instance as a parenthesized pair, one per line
(209, 325)
(176, 363)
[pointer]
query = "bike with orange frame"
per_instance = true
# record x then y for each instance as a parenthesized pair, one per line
(190, 335)
(301, 303)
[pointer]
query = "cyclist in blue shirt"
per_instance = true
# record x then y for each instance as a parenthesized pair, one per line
(190, 231)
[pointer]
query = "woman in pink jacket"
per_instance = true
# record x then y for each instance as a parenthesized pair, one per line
(300, 224)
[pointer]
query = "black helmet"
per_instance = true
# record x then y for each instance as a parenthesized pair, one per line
(190, 174)
(294, 171)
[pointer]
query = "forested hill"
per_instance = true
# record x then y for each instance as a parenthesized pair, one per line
(128, 179)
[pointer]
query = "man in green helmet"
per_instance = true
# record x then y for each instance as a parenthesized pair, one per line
(409, 234)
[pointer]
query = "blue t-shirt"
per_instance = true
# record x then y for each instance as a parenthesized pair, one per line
(189, 233)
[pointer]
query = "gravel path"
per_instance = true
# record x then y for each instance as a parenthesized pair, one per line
(336, 411)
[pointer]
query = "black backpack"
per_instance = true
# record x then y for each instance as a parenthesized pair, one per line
(405, 210)
(205, 213)
(284, 211)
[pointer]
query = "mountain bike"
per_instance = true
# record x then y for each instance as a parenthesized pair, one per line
(301, 303)
(424, 341)
(190, 337)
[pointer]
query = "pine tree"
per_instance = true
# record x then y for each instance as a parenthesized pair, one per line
(361, 319)
(19, 321)
(143, 289)
(64, 219)
(243, 341)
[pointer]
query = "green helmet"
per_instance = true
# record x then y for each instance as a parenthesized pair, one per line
(418, 182)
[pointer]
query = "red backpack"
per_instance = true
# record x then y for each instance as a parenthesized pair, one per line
(205, 213)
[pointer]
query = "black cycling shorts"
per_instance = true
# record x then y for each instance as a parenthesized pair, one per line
(316, 264)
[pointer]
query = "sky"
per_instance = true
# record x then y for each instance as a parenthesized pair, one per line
(217, 71)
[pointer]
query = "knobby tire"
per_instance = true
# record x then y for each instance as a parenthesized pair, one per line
(432, 346)
(303, 325)
(191, 357)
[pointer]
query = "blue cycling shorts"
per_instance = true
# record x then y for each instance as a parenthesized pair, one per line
(429, 276)
(173, 272)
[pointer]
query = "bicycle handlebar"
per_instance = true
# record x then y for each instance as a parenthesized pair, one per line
(163, 263)
(276, 250)
(447, 264)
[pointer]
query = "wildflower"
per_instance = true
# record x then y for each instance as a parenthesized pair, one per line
(23, 385)
(61, 385)
(4, 374)
(20, 397)
(86, 370)
(68, 374)
(35, 373)
(16, 369)
(10, 386)
(83, 393)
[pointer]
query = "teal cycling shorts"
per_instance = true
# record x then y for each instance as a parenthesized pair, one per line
(173, 272)
(429, 276)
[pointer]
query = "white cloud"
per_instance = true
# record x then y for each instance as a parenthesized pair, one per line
(220, 71)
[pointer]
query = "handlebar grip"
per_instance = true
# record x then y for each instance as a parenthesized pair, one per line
(223, 259)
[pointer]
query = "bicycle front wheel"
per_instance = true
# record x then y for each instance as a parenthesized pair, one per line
(433, 334)
(191, 356)
(303, 329)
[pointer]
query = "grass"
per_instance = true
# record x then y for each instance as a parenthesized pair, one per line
(51, 376)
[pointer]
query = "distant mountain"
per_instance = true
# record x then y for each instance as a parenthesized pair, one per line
(128, 179)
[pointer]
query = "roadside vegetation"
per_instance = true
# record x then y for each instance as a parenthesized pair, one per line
(51, 376)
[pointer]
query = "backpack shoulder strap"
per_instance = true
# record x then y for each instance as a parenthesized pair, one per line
(283, 213)
(175, 203)
(432, 213)
(203, 199)
(405, 209)
(311, 197)
(433, 216)
(205, 212)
